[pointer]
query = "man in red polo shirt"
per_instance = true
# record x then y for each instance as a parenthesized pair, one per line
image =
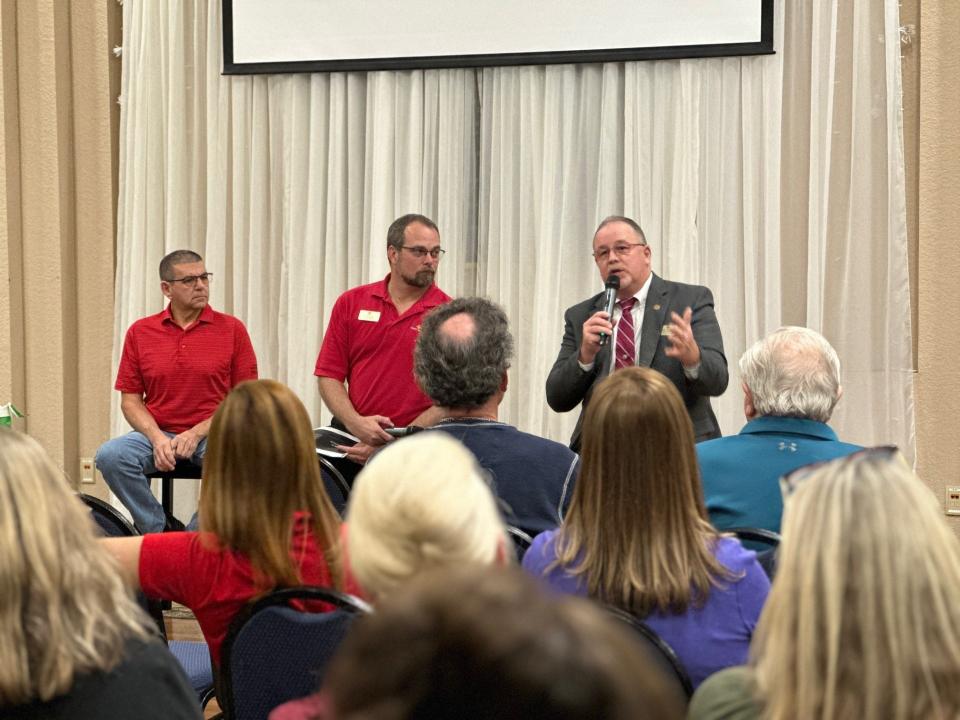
(369, 341)
(176, 367)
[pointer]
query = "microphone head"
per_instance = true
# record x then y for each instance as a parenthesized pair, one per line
(613, 282)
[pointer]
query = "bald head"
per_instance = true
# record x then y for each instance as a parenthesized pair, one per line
(792, 372)
(462, 353)
(458, 329)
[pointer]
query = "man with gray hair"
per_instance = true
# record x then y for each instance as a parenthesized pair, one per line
(791, 383)
(176, 368)
(460, 361)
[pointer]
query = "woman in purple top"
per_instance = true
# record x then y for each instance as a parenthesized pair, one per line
(637, 535)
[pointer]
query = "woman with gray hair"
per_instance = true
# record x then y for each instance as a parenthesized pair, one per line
(73, 642)
(863, 619)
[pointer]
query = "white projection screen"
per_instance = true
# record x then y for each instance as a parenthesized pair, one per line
(277, 36)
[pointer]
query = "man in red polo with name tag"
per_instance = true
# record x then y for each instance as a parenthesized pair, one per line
(369, 341)
(176, 367)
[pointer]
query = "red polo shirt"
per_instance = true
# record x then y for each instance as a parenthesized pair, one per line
(371, 347)
(184, 374)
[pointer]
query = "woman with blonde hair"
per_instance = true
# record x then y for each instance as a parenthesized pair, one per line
(73, 642)
(421, 502)
(265, 519)
(863, 619)
(636, 535)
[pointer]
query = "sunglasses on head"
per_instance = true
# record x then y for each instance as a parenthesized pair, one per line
(881, 453)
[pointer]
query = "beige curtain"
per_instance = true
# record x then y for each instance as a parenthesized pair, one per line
(777, 181)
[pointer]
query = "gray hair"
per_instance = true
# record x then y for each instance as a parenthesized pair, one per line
(632, 224)
(399, 226)
(463, 372)
(177, 257)
(792, 372)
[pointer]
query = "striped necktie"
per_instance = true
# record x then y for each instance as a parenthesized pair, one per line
(626, 347)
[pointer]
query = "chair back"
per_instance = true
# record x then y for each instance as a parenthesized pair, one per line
(521, 541)
(337, 487)
(659, 652)
(764, 542)
(108, 518)
(273, 653)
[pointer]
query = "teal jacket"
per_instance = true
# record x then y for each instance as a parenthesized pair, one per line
(741, 473)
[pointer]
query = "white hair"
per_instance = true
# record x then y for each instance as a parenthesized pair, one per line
(792, 372)
(421, 502)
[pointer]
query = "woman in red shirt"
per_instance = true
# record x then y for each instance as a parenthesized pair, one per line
(265, 519)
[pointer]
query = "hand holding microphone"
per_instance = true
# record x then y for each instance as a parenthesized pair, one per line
(611, 286)
(599, 326)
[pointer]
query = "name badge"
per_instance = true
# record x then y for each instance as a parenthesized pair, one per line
(665, 331)
(369, 315)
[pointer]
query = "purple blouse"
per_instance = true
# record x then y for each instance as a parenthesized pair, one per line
(706, 639)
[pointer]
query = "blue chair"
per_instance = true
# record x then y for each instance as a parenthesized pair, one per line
(193, 655)
(659, 652)
(521, 541)
(764, 542)
(337, 487)
(273, 653)
(108, 518)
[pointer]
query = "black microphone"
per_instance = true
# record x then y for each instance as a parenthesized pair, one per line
(610, 299)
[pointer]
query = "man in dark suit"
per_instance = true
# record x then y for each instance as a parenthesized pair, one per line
(673, 329)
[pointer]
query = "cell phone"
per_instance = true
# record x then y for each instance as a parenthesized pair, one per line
(399, 432)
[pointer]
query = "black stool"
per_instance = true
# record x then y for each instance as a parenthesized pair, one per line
(185, 470)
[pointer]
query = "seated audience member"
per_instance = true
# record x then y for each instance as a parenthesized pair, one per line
(73, 642)
(461, 361)
(863, 619)
(791, 383)
(418, 504)
(637, 536)
(479, 643)
(265, 518)
(175, 369)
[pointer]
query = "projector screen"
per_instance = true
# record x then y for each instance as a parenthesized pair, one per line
(276, 36)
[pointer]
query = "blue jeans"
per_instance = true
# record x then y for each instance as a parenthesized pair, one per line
(124, 463)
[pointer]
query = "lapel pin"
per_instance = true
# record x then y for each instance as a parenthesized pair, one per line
(656, 307)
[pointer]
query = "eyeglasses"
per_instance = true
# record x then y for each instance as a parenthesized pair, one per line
(191, 280)
(422, 252)
(621, 249)
(882, 453)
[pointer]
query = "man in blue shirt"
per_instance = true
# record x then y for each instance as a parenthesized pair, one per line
(461, 361)
(791, 383)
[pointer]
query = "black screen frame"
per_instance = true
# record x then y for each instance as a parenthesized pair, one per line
(672, 52)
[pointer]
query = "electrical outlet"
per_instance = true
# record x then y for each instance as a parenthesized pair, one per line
(952, 500)
(88, 472)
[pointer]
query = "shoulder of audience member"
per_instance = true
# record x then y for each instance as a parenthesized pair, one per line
(726, 695)
(733, 555)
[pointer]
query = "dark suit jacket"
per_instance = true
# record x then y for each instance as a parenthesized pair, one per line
(568, 385)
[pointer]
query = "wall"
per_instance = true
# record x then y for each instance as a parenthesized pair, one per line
(57, 207)
(938, 173)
